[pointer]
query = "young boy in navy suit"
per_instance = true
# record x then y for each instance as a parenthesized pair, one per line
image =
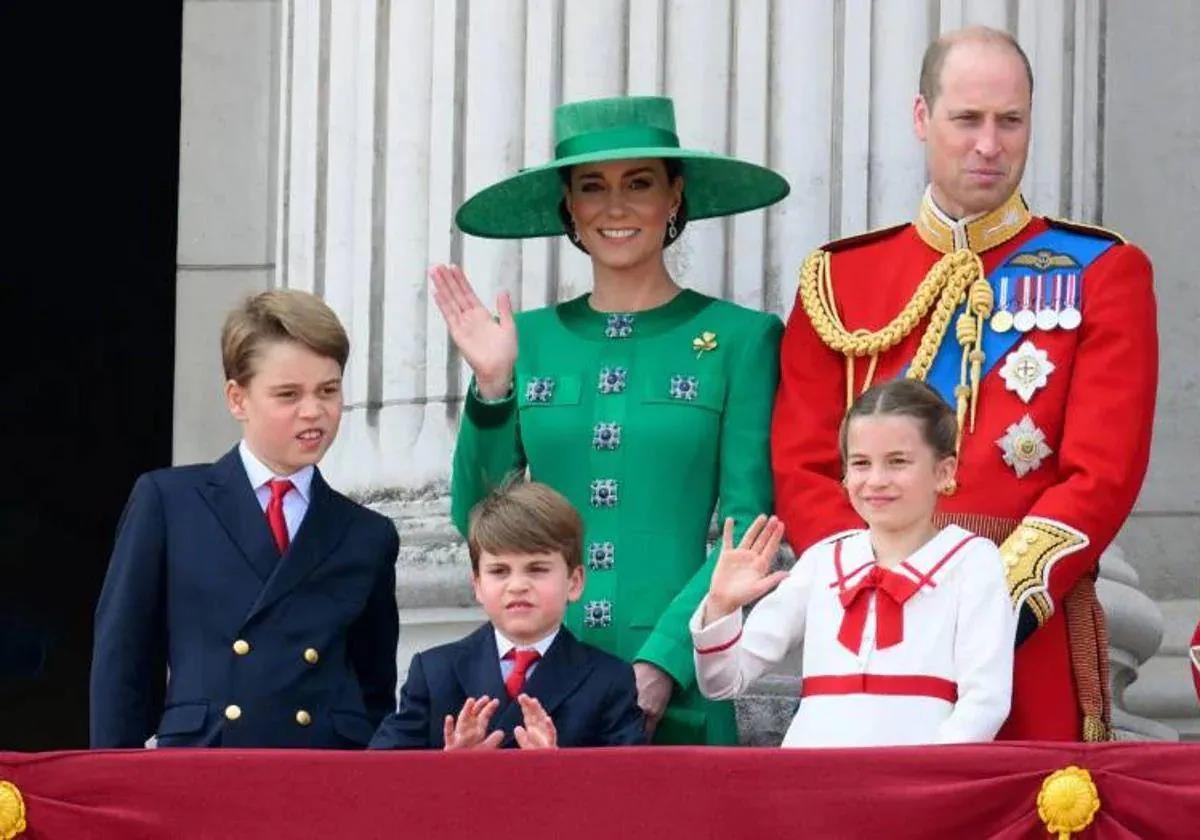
(267, 597)
(522, 679)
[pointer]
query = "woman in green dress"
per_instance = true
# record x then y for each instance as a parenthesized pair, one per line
(643, 403)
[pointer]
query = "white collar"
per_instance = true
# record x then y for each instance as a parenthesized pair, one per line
(925, 562)
(504, 645)
(259, 473)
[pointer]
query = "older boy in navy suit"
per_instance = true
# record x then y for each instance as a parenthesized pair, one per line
(267, 597)
(521, 680)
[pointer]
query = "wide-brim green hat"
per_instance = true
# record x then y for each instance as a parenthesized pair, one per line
(621, 128)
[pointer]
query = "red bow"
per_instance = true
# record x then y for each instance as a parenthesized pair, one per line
(892, 591)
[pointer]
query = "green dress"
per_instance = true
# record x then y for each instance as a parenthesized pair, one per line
(643, 423)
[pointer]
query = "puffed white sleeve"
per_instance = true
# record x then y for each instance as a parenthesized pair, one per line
(983, 649)
(730, 656)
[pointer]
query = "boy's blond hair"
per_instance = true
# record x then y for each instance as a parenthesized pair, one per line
(525, 517)
(280, 315)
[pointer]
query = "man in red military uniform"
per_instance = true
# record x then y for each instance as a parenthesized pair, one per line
(1041, 333)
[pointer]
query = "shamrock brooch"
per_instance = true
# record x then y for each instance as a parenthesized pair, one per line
(704, 342)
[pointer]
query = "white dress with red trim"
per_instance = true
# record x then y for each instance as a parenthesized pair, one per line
(919, 654)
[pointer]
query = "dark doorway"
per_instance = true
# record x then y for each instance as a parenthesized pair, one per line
(87, 272)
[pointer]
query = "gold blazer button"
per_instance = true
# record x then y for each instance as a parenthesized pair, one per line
(303, 718)
(311, 656)
(233, 712)
(241, 647)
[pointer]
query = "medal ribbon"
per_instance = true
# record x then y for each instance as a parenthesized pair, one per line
(1084, 249)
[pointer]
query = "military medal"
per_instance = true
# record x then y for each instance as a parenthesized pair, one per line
(1070, 317)
(1025, 320)
(1047, 315)
(1026, 369)
(1024, 446)
(1002, 321)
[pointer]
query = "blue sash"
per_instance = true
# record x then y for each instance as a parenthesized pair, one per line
(1050, 246)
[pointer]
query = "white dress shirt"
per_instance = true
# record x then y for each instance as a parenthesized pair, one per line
(503, 646)
(295, 503)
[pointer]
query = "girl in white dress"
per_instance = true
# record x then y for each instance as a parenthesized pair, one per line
(907, 629)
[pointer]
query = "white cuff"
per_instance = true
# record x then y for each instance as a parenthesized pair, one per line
(716, 635)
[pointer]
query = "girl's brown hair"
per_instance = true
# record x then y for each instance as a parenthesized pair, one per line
(907, 398)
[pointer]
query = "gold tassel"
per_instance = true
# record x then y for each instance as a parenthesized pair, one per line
(981, 301)
(966, 334)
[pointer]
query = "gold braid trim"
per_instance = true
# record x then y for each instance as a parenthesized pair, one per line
(1029, 553)
(956, 278)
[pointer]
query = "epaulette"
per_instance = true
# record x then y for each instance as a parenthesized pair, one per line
(1094, 230)
(862, 238)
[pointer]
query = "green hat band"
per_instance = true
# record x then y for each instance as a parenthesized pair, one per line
(626, 137)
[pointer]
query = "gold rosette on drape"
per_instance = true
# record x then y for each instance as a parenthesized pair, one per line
(1068, 801)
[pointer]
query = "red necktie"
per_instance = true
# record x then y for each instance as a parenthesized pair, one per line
(279, 489)
(891, 591)
(522, 661)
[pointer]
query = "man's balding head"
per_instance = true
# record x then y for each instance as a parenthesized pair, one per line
(930, 84)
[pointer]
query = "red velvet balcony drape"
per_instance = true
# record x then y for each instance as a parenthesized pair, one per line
(1146, 791)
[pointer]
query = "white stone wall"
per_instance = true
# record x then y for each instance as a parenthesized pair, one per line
(1151, 192)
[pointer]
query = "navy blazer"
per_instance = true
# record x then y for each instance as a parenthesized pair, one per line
(262, 650)
(589, 694)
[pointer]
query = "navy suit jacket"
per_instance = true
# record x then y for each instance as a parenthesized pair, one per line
(194, 570)
(589, 694)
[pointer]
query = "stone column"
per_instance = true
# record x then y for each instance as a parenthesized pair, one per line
(1135, 631)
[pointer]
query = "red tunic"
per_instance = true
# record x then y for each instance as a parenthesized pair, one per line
(1096, 411)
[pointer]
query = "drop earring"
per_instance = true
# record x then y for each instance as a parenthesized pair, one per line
(672, 231)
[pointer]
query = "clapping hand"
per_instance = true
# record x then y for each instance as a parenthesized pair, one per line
(538, 733)
(469, 730)
(488, 345)
(741, 573)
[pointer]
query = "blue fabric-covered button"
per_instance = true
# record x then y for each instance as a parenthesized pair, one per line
(539, 389)
(612, 380)
(600, 556)
(606, 436)
(604, 492)
(597, 613)
(619, 326)
(684, 387)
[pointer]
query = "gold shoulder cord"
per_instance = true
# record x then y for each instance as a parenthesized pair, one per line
(956, 278)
